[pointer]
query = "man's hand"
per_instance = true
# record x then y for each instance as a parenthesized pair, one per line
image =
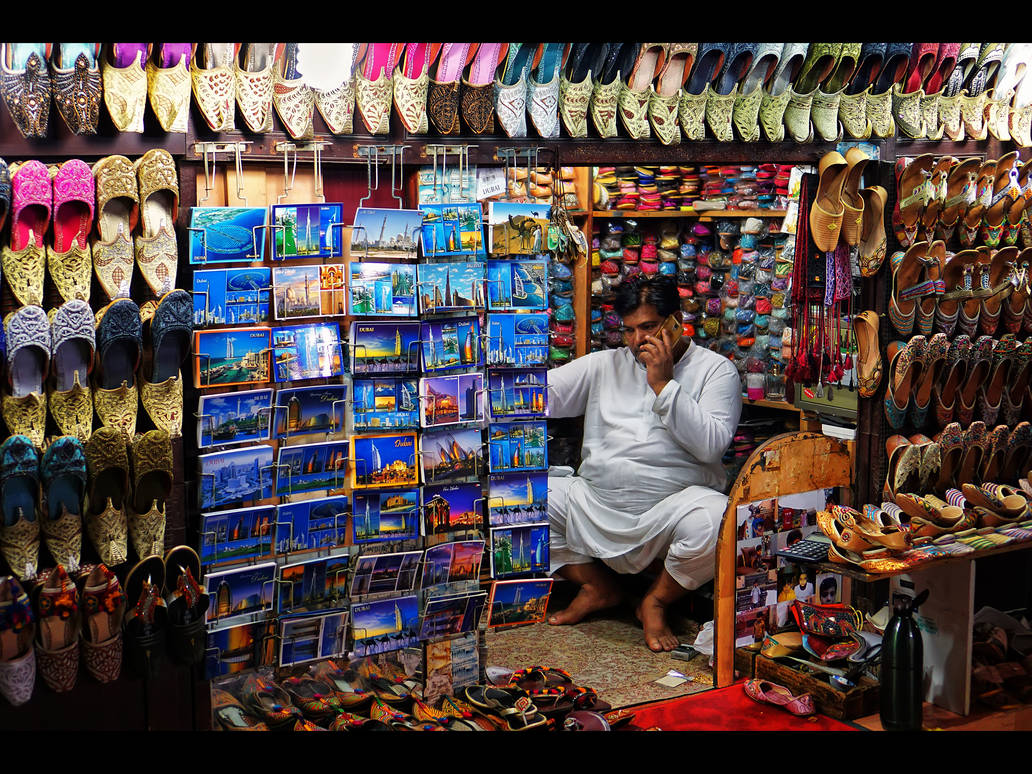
(657, 356)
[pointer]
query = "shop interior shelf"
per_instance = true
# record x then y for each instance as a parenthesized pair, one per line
(703, 214)
(774, 404)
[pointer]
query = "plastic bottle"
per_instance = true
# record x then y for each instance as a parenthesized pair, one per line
(902, 667)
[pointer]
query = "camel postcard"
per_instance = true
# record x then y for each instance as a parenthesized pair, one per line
(517, 228)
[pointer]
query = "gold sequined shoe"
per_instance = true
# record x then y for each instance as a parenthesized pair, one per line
(125, 84)
(374, 86)
(119, 343)
(27, 332)
(24, 262)
(156, 251)
(168, 85)
(292, 97)
(253, 85)
(76, 83)
(108, 464)
(25, 86)
(411, 83)
(152, 484)
(69, 260)
(63, 472)
(73, 343)
(211, 76)
(19, 505)
(118, 210)
(633, 101)
(72, 409)
(329, 70)
(170, 334)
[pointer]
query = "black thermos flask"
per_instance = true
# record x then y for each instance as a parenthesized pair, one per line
(902, 667)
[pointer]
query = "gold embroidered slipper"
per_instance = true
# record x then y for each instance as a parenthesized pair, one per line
(214, 88)
(476, 94)
(443, 101)
(605, 90)
(118, 210)
(119, 343)
(329, 70)
(374, 86)
(156, 251)
(575, 86)
(746, 111)
(411, 84)
(27, 333)
(19, 505)
(152, 484)
(76, 84)
(25, 86)
(69, 260)
(826, 102)
(125, 84)
(63, 472)
(73, 345)
(24, 262)
(168, 84)
(108, 464)
(777, 92)
(291, 95)
(665, 98)
(170, 333)
(252, 82)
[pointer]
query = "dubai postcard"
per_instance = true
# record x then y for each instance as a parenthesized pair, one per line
(311, 467)
(233, 649)
(445, 616)
(385, 404)
(517, 285)
(384, 347)
(319, 523)
(224, 357)
(518, 602)
(381, 289)
(305, 230)
(379, 232)
(384, 460)
(236, 535)
(451, 456)
(313, 637)
(451, 287)
(225, 234)
(309, 291)
(379, 516)
(303, 410)
(448, 400)
(379, 573)
(517, 340)
(517, 498)
(236, 476)
(240, 591)
(234, 417)
(452, 229)
(518, 394)
(318, 584)
(517, 446)
(451, 507)
(231, 296)
(519, 550)
(384, 626)
(517, 228)
(452, 343)
(307, 351)
(452, 562)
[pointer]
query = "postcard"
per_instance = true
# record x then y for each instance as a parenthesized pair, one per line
(516, 285)
(319, 523)
(518, 602)
(377, 573)
(451, 456)
(311, 467)
(237, 476)
(309, 291)
(452, 229)
(384, 347)
(240, 591)
(305, 230)
(444, 616)
(517, 446)
(451, 507)
(385, 625)
(225, 234)
(451, 287)
(233, 649)
(307, 351)
(452, 562)
(318, 584)
(447, 183)
(452, 343)
(519, 550)
(381, 516)
(314, 637)
(384, 460)
(302, 410)
(234, 417)
(518, 339)
(224, 357)
(517, 498)
(517, 229)
(379, 232)
(518, 394)
(448, 400)
(236, 535)
(381, 289)
(231, 296)
(385, 404)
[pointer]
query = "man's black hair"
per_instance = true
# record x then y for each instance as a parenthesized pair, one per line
(828, 584)
(659, 291)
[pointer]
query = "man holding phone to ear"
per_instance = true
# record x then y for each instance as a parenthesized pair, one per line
(658, 415)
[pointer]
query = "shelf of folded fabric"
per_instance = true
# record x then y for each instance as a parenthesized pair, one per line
(700, 214)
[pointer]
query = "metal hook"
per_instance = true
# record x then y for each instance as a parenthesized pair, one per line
(208, 185)
(288, 184)
(369, 181)
(239, 169)
(317, 165)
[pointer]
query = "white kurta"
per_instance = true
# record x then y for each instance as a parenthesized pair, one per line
(650, 473)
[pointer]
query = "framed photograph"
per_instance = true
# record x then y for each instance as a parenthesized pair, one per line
(517, 228)
(517, 340)
(314, 637)
(451, 287)
(451, 456)
(237, 535)
(517, 498)
(385, 404)
(227, 234)
(240, 592)
(380, 516)
(519, 550)
(319, 523)
(318, 584)
(451, 343)
(515, 285)
(379, 232)
(309, 291)
(449, 400)
(232, 649)
(231, 296)
(452, 229)
(234, 417)
(307, 351)
(384, 460)
(384, 347)
(385, 625)
(305, 230)
(452, 562)
(451, 507)
(518, 602)
(311, 467)
(517, 446)
(237, 476)
(303, 410)
(445, 616)
(381, 289)
(224, 357)
(518, 394)
(379, 573)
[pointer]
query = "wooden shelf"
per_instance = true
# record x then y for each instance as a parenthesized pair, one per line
(707, 214)
(773, 404)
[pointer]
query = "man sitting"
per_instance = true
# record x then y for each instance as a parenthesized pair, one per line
(658, 416)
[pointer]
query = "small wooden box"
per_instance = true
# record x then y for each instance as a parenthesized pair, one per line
(745, 662)
(841, 705)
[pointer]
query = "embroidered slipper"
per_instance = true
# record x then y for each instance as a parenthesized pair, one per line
(869, 360)
(931, 259)
(840, 534)
(961, 184)
(442, 101)
(1013, 68)
(25, 86)
(103, 607)
(230, 715)
(821, 60)
(69, 260)
(1005, 191)
(746, 109)
(76, 85)
(73, 345)
(118, 210)
(873, 239)
(345, 683)
(19, 501)
(827, 212)
(853, 102)
(723, 91)
(511, 705)
(411, 83)
(24, 262)
(57, 631)
(932, 88)
(119, 343)
(973, 100)
(252, 83)
(152, 484)
(294, 100)
(17, 633)
(543, 88)
(27, 334)
(268, 702)
(374, 86)
(168, 84)
(63, 472)
(608, 83)
(307, 695)
(477, 92)
(777, 93)
(108, 464)
(634, 96)
(828, 97)
(5, 192)
(879, 95)
(766, 692)
(213, 84)
(576, 84)
(329, 71)
(125, 84)
(157, 253)
(938, 176)
(950, 101)
(171, 331)
(852, 202)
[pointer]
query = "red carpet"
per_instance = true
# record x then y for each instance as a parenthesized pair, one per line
(727, 709)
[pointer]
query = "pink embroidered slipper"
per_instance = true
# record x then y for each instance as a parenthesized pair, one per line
(477, 98)
(374, 86)
(411, 82)
(74, 196)
(442, 102)
(778, 695)
(33, 198)
(329, 70)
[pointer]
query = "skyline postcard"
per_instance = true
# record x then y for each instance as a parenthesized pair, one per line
(517, 498)
(379, 573)
(305, 230)
(384, 626)
(307, 351)
(517, 446)
(518, 602)
(517, 339)
(451, 456)
(379, 516)
(519, 550)
(517, 285)
(232, 649)
(452, 507)
(449, 400)
(518, 394)
(384, 347)
(224, 357)
(237, 476)
(452, 229)
(451, 287)
(380, 232)
(227, 234)
(452, 562)
(234, 417)
(309, 291)
(517, 228)
(303, 410)
(385, 404)
(237, 535)
(381, 289)
(318, 584)
(445, 616)
(384, 460)
(319, 523)
(311, 467)
(239, 592)
(231, 296)
(311, 638)
(449, 344)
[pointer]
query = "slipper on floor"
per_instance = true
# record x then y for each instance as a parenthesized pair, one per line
(511, 705)
(778, 695)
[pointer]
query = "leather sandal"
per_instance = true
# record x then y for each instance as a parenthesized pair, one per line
(1005, 192)
(63, 473)
(971, 218)
(666, 97)
(576, 84)
(252, 83)
(722, 91)
(908, 287)
(826, 102)
(477, 93)
(691, 110)
(915, 191)
(938, 176)
(827, 212)
(75, 79)
(869, 361)
(19, 503)
(543, 88)
(146, 618)
(852, 202)
(25, 86)
(873, 239)
(294, 101)
(24, 262)
(933, 362)
(168, 84)
(776, 94)
(633, 101)
(118, 210)
(17, 633)
(157, 253)
(957, 284)
(932, 260)
(57, 630)
(24, 408)
(1016, 211)
(961, 185)
(329, 71)
(853, 102)
(1001, 285)
(511, 90)
(511, 705)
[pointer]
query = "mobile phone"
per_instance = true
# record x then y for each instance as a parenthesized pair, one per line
(673, 325)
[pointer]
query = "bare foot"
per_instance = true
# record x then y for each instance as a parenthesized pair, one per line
(652, 614)
(589, 599)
